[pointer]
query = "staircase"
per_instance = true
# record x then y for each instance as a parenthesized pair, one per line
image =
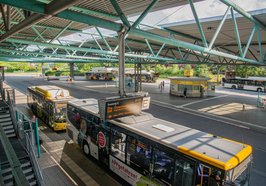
(6, 122)
(27, 169)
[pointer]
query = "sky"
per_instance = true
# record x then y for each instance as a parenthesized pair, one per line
(207, 8)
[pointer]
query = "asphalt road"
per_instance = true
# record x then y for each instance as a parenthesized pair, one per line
(254, 138)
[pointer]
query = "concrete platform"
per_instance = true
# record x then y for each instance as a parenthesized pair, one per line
(227, 104)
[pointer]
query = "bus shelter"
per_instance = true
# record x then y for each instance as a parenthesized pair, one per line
(191, 86)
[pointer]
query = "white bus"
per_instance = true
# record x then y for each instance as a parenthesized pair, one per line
(251, 83)
(144, 150)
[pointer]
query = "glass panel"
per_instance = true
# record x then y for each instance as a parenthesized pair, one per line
(183, 173)
(118, 144)
(163, 167)
(139, 155)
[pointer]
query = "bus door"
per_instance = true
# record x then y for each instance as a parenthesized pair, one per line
(50, 113)
(208, 176)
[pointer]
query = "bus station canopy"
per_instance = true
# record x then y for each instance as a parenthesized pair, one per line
(35, 31)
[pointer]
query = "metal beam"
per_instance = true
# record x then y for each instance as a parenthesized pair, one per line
(83, 49)
(104, 40)
(61, 32)
(249, 41)
(92, 20)
(144, 13)
(244, 13)
(198, 23)
(218, 29)
(120, 13)
(236, 32)
(51, 9)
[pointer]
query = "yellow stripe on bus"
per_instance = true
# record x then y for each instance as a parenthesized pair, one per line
(239, 157)
(233, 162)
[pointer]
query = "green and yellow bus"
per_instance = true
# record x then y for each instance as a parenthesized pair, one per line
(144, 150)
(49, 104)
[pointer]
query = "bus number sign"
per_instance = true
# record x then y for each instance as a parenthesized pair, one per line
(101, 139)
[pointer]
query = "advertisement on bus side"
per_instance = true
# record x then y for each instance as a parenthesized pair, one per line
(128, 174)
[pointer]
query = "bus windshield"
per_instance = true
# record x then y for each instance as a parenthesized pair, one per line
(60, 112)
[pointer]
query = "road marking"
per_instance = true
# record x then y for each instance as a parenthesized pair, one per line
(244, 125)
(73, 181)
(191, 103)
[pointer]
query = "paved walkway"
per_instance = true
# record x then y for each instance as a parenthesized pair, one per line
(60, 160)
(236, 107)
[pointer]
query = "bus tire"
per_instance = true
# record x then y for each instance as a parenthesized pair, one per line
(233, 87)
(86, 148)
(259, 90)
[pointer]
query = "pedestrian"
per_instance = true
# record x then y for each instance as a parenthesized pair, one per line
(185, 92)
(201, 91)
(163, 84)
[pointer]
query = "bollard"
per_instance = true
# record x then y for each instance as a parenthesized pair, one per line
(244, 107)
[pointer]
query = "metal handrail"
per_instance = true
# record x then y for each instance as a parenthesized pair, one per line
(13, 160)
(36, 167)
(11, 102)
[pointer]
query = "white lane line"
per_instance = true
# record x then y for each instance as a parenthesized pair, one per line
(191, 103)
(245, 125)
(55, 150)
(73, 181)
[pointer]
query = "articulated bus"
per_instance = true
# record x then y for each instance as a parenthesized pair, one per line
(49, 104)
(144, 150)
(252, 83)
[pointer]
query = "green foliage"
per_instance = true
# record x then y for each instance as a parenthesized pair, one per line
(246, 71)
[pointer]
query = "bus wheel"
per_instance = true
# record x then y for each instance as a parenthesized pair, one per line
(233, 87)
(86, 148)
(259, 90)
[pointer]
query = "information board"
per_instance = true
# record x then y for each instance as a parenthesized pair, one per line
(120, 107)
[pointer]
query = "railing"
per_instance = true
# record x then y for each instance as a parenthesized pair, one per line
(35, 164)
(19, 177)
(10, 100)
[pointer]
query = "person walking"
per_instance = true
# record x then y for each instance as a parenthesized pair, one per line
(185, 92)
(163, 84)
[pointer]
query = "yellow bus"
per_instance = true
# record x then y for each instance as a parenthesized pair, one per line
(145, 150)
(49, 104)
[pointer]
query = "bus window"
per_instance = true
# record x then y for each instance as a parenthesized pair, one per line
(183, 173)
(118, 144)
(139, 155)
(164, 167)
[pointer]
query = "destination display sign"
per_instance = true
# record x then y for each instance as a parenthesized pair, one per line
(120, 107)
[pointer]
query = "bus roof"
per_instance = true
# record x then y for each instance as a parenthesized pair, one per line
(51, 92)
(251, 78)
(219, 152)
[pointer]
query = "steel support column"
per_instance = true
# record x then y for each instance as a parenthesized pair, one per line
(71, 68)
(121, 57)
